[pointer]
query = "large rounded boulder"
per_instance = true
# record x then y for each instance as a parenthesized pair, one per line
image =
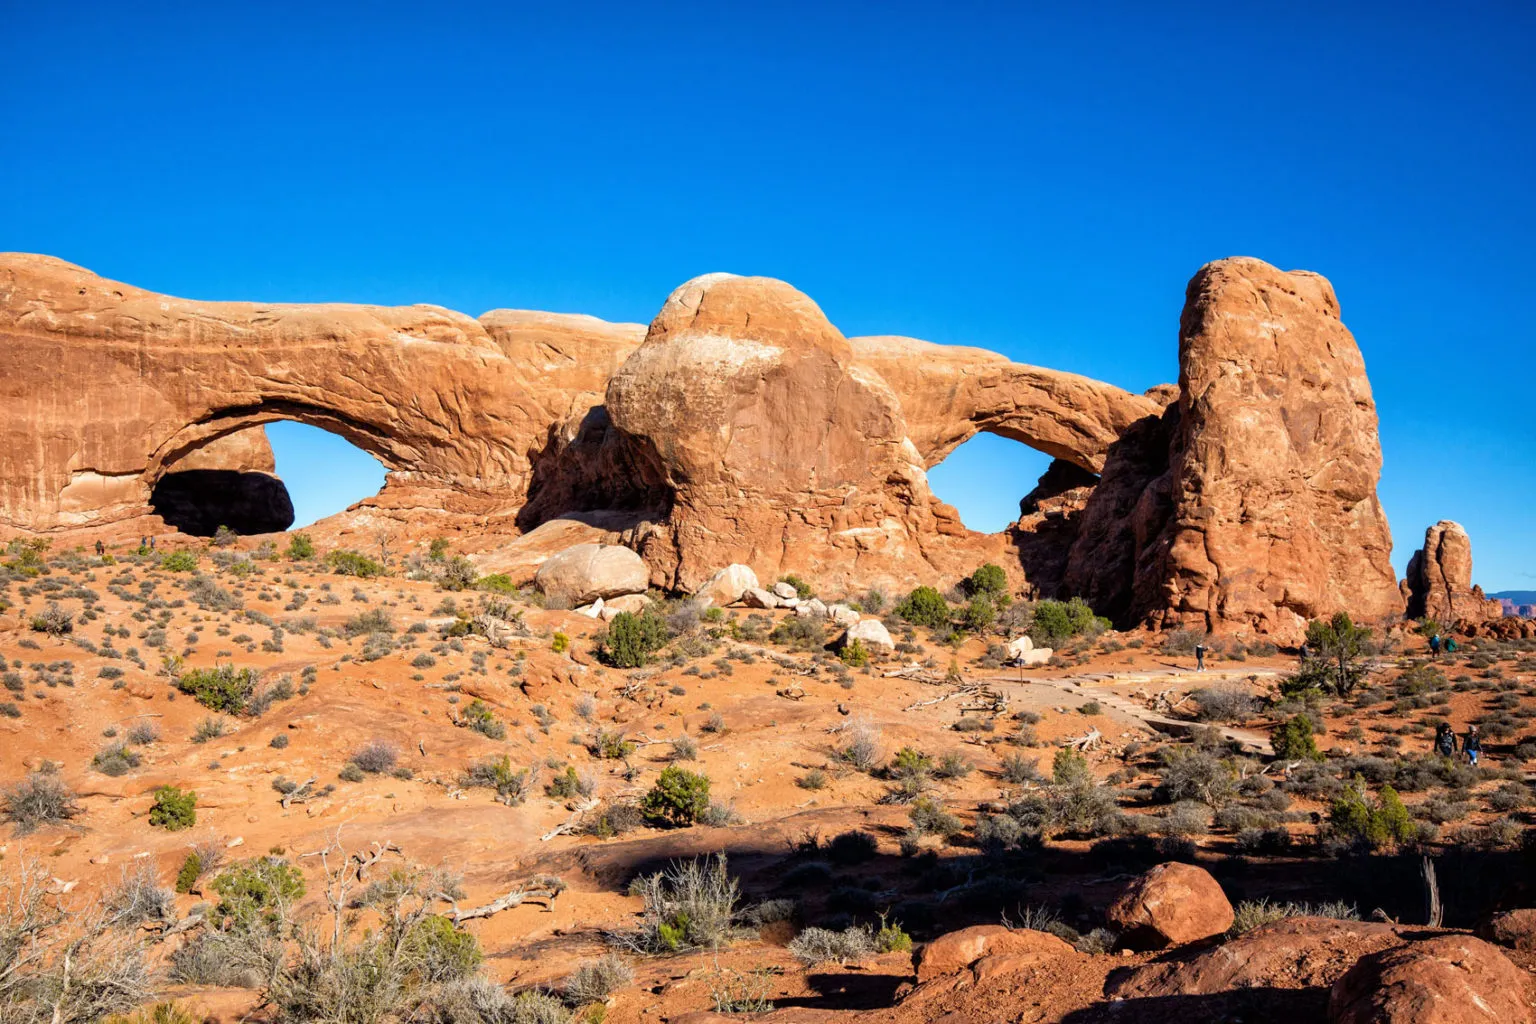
(1450, 979)
(777, 446)
(1170, 905)
(587, 572)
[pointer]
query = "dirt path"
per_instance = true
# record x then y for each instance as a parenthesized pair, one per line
(1249, 740)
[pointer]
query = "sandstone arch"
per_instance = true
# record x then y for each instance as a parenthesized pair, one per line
(950, 394)
(109, 384)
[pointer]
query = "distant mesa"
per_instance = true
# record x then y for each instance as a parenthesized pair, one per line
(741, 426)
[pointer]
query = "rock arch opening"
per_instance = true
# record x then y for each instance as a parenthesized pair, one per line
(986, 479)
(263, 478)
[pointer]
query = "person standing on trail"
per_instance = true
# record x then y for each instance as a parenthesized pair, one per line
(1200, 657)
(1445, 740)
(1434, 646)
(101, 549)
(1472, 745)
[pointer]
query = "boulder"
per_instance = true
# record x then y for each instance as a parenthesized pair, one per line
(957, 951)
(593, 610)
(1037, 656)
(586, 572)
(842, 615)
(872, 634)
(1019, 646)
(1439, 581)
(756, 597)
(1515, 929)
(813, 607)
(1296, 952)
(1449, 979)
(1170, 905)
(784, 591)
(728, 585)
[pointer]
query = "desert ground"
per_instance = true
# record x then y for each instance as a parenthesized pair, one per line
(475, 745)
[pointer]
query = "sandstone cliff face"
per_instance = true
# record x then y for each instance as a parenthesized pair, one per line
(1439, 582)
(740, 427)
(1273, 517)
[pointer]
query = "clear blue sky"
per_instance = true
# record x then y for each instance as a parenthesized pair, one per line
(1040, 180)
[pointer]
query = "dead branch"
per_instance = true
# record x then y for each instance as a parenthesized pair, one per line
(570, 822)
(1090, 740)
(515, 898)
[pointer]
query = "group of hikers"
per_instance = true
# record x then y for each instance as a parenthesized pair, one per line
(145, 544)
(1471, 743)
(1436, 645)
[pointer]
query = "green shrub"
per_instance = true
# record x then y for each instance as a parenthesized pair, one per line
(924, 606)
(855, 654)
(179, 561)
(678, 797)
(223, 688)
(191, 870)
(351, 563)
(496, 583)
(511, 785)
(892, 938)
(174, 809)
(631, 639)
(440, 950)
(300, 547)
(1293, 740)
(1059, 621)
(259, 891)
(978, 613)
(988, 579)
(1382, 822)
(560, 643)
(1070, 767)
(477, 715)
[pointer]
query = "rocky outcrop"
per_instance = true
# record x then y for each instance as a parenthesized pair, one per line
(1439, 581)
(739, 427)
(1450, 979)
(1272, 512)
(1170, 905)
(1297, 952)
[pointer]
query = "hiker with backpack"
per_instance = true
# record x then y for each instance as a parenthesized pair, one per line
(1434, 646)
(1445, 740)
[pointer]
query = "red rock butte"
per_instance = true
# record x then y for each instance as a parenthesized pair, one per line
(740, 427)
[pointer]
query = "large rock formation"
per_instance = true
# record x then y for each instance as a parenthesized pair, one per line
(1275, 461)
(740, 427)
(1439, 582)
(1263, 513)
